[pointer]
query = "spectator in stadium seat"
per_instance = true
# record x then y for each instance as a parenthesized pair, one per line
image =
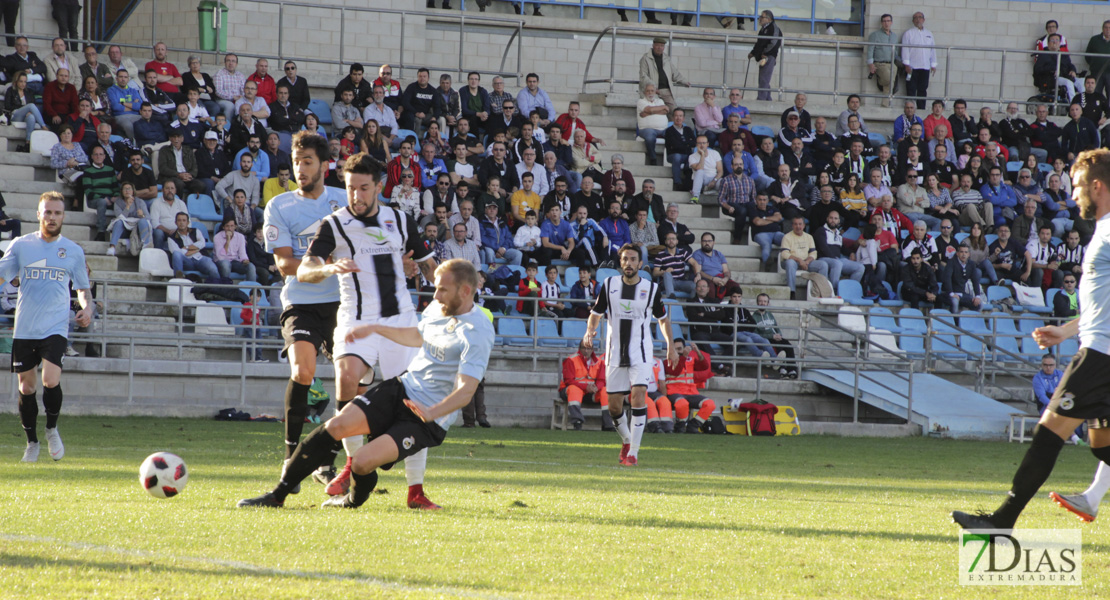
(178, 162)
(124, 102)
(766, 51)
(919, 239)
(558, 196)
(1065, 305)
(1010, 259)
(117, 61)
(460, 247)
(941, 205)
(657, 68)
(885, 164)
(586, 160)
(788, 196)
(286, 117)
(960, 281)
(913, 201)
(913, 160)
(585, 290)
(944, 169)
(23, 60)
(738, 323)
(1071, 255)
(919, 59)
(203, 83)
(791, 131)
(705, 164)
(733, 131)
(799, 251)
(242, 179)
(186, 245)
(229, 86)
(418, 103)
(766, 228)
(392, 89)
(105, 77)
(169, 78)
(934, 119)
(466, 217)
(432, 166)
(735, 95)
(1046, 271)
(447, 109)
(279, 184)
(590, 197)
(1079, 134)
(680, 143)
(943, 141)
(402, 161)
(506, 118)
(556, 171)
(1045, 381)
(619, 194)
(708, 119)
(197, 111)
(671, 225)
(827, 203)
(906, 120)
(59, 58)
(344, 114)
(212, 163)
(524, 199)
(267, 87)
(260, 109)
(853, 109)
(829, 242)
(617, 173)
(614, 227)
(497, 241)
(528, 164)
(802, 166)
(59, 101)
(298, 86)
(670, 267)
(359, 87)
(231, 251)
(146, 187)
(118, 151)
(583, 379)
(475, 103)
(165, 108)
(651, 121)
(961, 124)
(264, 265)
(799, 107)
(558, 242)
(643, 234)
(736, 195)
(275, 155)
(192, 131)
(919, 281)
(1001, 196)
(163, 214)
(498, 164)
(532, 97)
(876, 191)
(591, 238)
(768, 327)
(714, 267)
(1044, 134)
(129, 214)
(260, 161)
(1014, 132)
(706, 317)
(853, 134)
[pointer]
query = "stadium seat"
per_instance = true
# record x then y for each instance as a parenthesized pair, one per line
(762, 131)
(961, 236)
(519, 270)
(570, 276)
(179, 290)
(573, 331)
(1068, 348)
(203, 229)
(851, 292)
(42, 141)
(1030, 349)
(997, 293)
(877, 139)
(911, 341)
(1049, 295)
(677, 314)
(990, 238)
(203, 207)
(1027, 325)
(548, 333)
(897, 301)
(946, 340)
(403, 134)
(210, 320)
(852, 233)
(972, 321)
(321, 109)
(153, 261)
(606, 273)
(851, 318)
(880, 317)
(1005, 335)
(512, 329)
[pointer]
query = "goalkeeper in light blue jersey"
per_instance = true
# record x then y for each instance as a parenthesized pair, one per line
(46, 264)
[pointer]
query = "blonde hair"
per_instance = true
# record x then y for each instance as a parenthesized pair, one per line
(52, 196)
(462, 272)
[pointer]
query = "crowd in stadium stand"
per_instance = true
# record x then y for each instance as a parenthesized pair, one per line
(505, 179)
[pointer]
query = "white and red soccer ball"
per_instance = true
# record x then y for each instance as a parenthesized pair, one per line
(163, 475)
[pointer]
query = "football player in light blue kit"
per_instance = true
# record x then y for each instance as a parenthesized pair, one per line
(406, 414)
(309, 309)
(45, 263)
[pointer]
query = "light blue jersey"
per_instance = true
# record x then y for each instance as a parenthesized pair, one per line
(292, 221)
(45, 270)
(1094, 291)
(452, 346)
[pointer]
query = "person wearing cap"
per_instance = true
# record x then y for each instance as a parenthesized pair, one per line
(657, 68)
(178, 163)
(766, 51)
(212, 163)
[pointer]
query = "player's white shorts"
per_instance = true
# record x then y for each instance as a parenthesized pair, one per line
(619, 380)
(388, 358)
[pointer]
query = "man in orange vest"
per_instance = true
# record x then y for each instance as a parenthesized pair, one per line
(693, 367)
(658, 405)
(584, 379)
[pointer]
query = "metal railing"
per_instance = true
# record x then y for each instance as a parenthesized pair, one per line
(739, 43)
(343, 60)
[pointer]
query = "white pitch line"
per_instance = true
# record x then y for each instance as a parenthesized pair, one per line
(244, 566)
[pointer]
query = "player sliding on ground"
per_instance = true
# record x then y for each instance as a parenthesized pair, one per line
(45, 263)
(1084, 391)
(629, 302)
(412, 412)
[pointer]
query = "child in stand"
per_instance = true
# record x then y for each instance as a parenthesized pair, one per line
(584, 289)
(527, 238)
(252, 317)
(552, 308)
(487, 288)
(867, 254)
(529, 287)
(347, 142)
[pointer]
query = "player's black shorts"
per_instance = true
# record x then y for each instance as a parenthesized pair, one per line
(1084, 391)
(28, 354)
(386, 413)
(312, 323)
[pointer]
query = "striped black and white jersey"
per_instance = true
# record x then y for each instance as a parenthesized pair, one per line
(629, 309)
(377, 244)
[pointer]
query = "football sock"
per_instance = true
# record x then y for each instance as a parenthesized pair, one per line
(639, 417)
(1101, 483)
(361, 487)
(352, 444)
(308, 455)
(29, 415)
(706, 410)
(296, 409)
(682, 409)
(1030, 476)
(415, 466)
(52, 402)
(621, 423)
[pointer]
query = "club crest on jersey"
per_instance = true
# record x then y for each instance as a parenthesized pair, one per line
(61, 252)
(389, 226)
(408, 442)
(334, 205)
(1067, 402)
(272, 233)
(643, 294)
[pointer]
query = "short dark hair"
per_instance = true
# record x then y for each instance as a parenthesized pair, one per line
(356, 68)
(226, 221)
(310, 140)
(423, 70)
(530, 213)
(915, 252)
(363, 164)
(850, 96)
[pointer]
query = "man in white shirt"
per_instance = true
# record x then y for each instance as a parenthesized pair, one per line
(163, 213)
(528, 164)
(919, 57)
(705, 163)
(651, 121)
(380, 112)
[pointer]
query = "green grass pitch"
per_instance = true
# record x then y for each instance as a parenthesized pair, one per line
(528, 514)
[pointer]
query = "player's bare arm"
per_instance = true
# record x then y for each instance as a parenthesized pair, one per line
(591, 330)
(665, 327)
(465, 386)
(314, 270)
(1052, 335)
(84, 316)
(406, 336)
(286, 264)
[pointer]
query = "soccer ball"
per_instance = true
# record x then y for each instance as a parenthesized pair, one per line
(163, 475)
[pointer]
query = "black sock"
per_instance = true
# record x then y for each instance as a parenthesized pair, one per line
(1102, 454)
(308, 455)
(52, 402)
(1030, 476)
(29, 415)
(296, 409)
(362, 486)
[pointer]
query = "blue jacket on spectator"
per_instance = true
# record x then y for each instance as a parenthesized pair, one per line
(1044, 386)
(617, 232)
(261, 166)
(496, 234)
(1002, 197)
(149, 132)
(117, 96)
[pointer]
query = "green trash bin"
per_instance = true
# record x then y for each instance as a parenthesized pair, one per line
(206, 25)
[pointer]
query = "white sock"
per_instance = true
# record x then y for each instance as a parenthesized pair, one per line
(1099, 486)
(621, 424)
(639, 417)
(352, 444)
(415, 466)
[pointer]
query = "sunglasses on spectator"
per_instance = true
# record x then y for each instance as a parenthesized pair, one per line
(507, 107)
(943, 227)
(406, 177)
(290, 68)
(386, 73)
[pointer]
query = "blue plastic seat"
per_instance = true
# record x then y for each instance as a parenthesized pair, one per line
(963, 235)
(897, 301)
(570, 276)
(202, 207)
(1050, 295)
(548, 333)
(880, 317)
(200, 226)
(852, 233)
(990, 238)
(946, 340)
(603, 274)
(321, 109)
(1030, 348)
(573, 331)
(851, 292)
(1027, 325)
(1068, 348)
(762, 131)
(1006, 335)
(513, 331)
(877, 139)
(997, 293)
(677, 314)
(972, 321)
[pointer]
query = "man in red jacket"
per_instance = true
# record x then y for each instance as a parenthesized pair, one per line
(693, 368)
(584, 379)
(59, 100)
(569, 121)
